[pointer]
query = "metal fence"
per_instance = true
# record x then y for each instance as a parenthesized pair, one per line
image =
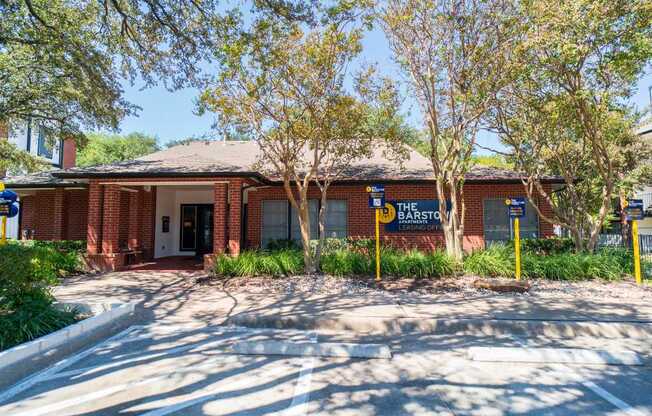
(616, 240)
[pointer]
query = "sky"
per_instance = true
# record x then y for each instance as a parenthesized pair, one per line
(170, 115)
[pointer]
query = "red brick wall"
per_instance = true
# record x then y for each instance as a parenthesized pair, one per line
(361, 218)
(124, 219)
(38, 214)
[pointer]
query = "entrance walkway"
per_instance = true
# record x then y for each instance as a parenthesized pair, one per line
(170, 264)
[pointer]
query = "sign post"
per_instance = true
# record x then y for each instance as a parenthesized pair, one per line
(377, 202)
(516, 208)
(634, 213)
(8, 208)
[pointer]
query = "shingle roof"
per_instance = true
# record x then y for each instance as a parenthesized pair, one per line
(239, 158)
(39, 180)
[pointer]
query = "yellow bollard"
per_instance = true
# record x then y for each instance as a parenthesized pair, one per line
(517, 247)
(637, 253)
(377, 245)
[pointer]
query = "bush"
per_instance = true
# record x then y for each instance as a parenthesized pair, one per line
(283, 244)
(607, 264)
(27, 271)
(36, 317)
(497, 260)
(546, 246)
(344, 262)
(260, 263)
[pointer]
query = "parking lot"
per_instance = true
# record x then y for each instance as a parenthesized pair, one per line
(161, 369)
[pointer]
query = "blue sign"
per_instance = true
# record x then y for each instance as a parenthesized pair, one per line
(634, 210)
(414, 215)
(376, 196)
(8, 196)
(516, 207)
(8, 207)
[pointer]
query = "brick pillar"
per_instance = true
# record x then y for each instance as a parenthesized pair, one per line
(235, 216)
(111, 219)
(219, 218)
(147, 222)
(94, 229)
(135, 206)
(59, 216)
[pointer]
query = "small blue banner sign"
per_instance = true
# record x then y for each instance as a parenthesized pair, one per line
(516, 207)
(376, 196)
(634, 210)
(8, 207)
(414, 215)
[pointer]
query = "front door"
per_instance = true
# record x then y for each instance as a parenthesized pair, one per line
(197, 228)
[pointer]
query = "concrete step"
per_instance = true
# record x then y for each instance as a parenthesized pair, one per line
(472, 326)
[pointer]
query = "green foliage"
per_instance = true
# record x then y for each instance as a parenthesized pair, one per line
(498, 261)
(545, 246)
(492, 161)
(260, 263)
(36, 317)
(27, 271)
(416, 264)
(105, 148)
(13, 159)
(275, 245)
(342, 262)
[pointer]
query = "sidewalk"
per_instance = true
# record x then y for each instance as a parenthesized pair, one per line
(175, 297)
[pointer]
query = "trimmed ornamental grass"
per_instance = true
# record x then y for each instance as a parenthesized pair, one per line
(260, 263)
(498, 260)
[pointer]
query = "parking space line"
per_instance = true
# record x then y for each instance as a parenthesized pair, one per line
(66, 362)
(625, 407)
(299, 404)
(604, 394)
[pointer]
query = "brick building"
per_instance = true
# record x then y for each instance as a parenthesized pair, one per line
(201, 198)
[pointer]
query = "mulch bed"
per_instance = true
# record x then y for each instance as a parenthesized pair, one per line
(461, 286)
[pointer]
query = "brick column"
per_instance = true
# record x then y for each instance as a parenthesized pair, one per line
(59, 216)
(219, 218)
(235, 216)
(148, 222)
(111, 219)
(94, 228)
(135, 204)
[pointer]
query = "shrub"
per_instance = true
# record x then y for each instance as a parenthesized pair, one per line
(260, 263)
(546, 246)
(344, 262)
(27, 271)
(36, 317)
(497, 260)
(282, 244)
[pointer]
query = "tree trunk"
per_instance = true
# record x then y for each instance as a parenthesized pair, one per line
(322, 229)
(576, 235)
(304, 226)
(450, 221)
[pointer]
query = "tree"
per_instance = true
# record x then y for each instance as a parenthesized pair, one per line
(564, 113)
(105, 148)
(451, 52)
(62, 61)
(287, 90)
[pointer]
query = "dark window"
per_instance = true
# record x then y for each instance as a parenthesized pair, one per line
(278, 225)
(44, 146)
(498, 227)
(188, 227)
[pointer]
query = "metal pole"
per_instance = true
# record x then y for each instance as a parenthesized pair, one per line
(377, 245)
(517, 247)
(637, 253)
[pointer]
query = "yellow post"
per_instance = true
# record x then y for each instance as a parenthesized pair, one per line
(637, 253)
(3, 236)
(517, 247)
(377, 245)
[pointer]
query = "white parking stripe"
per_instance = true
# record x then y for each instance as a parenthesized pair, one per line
(625, 407)
(38, 377)
(299, 404)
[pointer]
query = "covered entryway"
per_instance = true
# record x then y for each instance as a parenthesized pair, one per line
(135, 222)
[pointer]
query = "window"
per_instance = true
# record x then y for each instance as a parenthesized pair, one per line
(498, 226)
(295, 231)
(275, 221)
(44, 148)
(337, 215)
(278, 225)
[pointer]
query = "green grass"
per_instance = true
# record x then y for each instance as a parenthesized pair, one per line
(260, 263)
(498, 260)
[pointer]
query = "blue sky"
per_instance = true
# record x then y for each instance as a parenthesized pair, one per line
(169, 115)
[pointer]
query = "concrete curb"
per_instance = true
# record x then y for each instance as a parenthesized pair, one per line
(553, 355)
(311, 349)
(104, 314)
(472, 326)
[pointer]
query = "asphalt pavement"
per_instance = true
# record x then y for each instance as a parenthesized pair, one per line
(193, 369)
